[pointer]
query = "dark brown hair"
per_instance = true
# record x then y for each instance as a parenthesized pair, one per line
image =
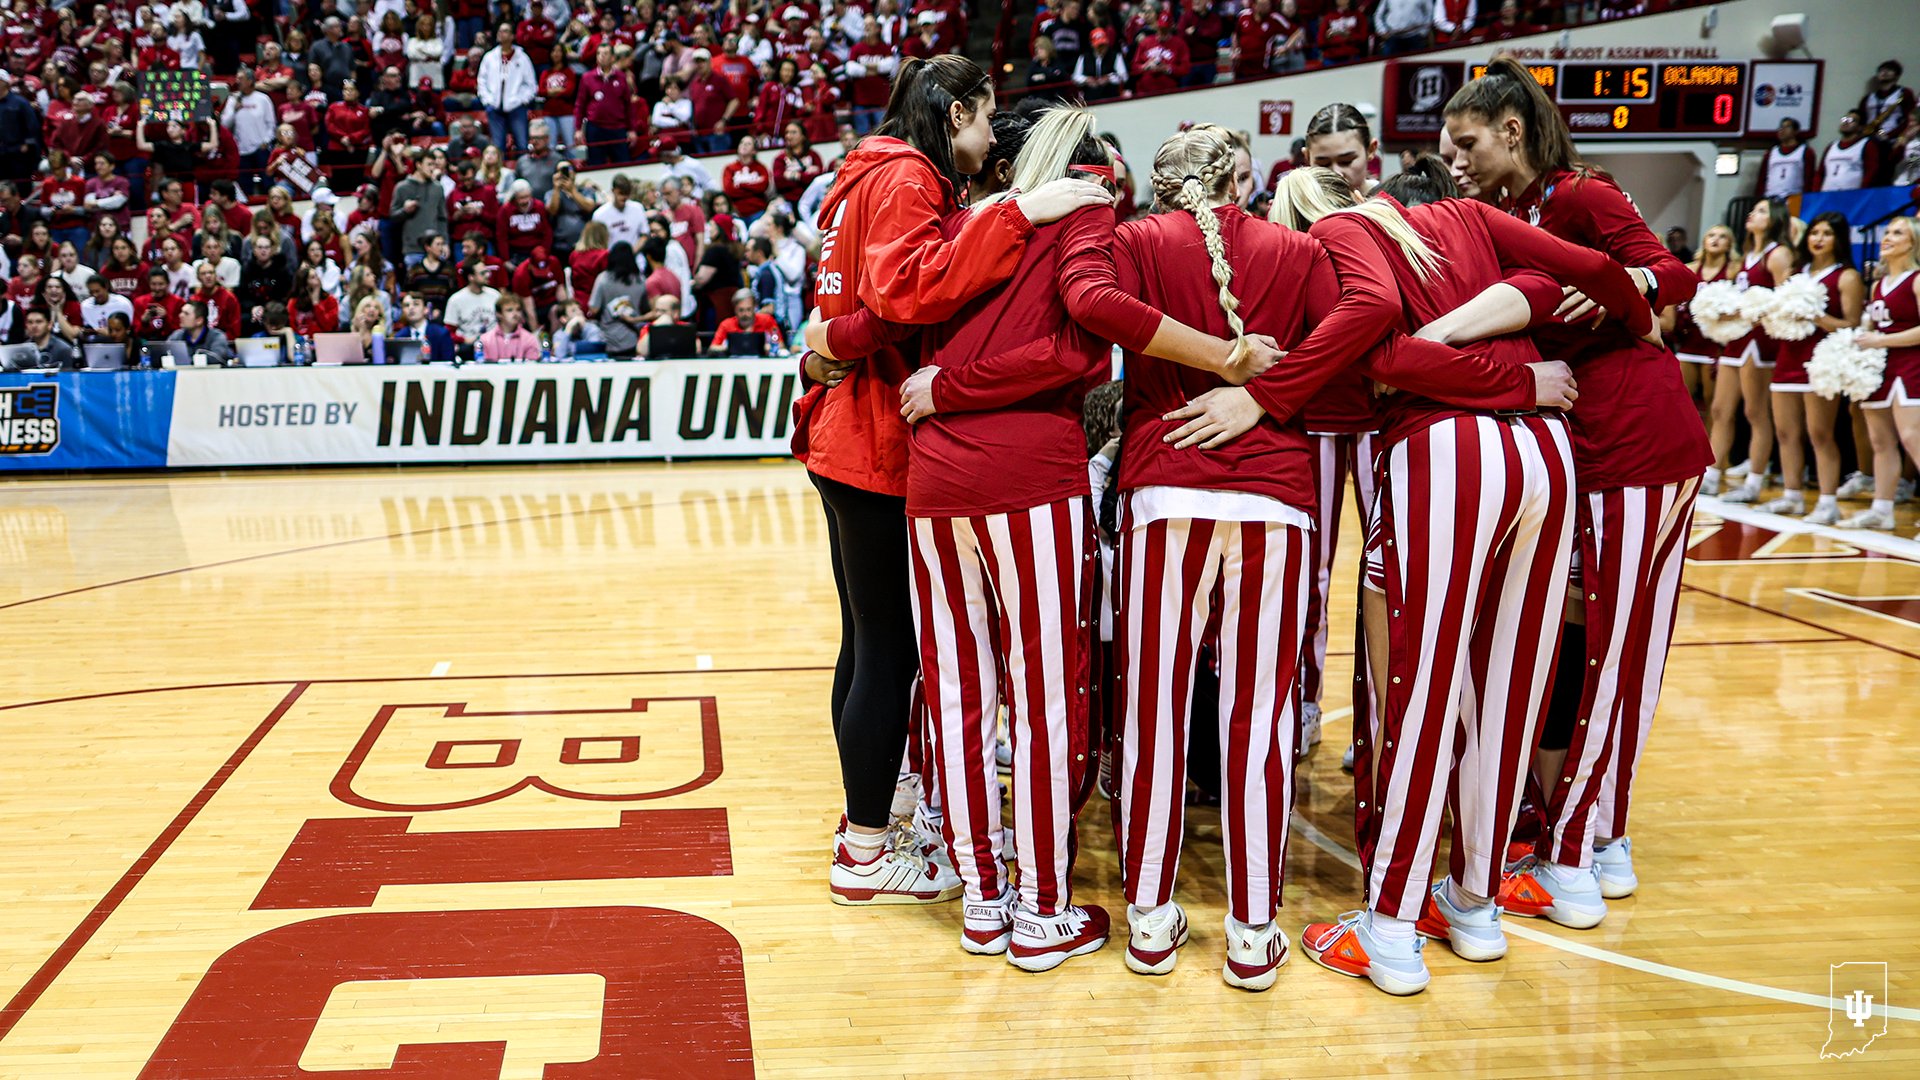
(1509, 88)
(1427, 180)
(923, 93)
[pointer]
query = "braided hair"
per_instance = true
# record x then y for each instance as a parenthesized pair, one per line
(1193, 171)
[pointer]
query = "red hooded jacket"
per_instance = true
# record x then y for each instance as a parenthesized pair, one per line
(883, 251)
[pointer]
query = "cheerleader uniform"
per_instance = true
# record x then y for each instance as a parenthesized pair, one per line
(1689, 344)
(1790, 367)
(1894, 310)
(1756, 345)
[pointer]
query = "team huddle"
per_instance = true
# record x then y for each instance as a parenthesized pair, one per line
(1138, 572)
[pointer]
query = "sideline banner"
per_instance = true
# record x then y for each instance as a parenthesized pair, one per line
(85, 419)
(506, 412)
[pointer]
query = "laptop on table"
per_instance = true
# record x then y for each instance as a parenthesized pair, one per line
(107, 356)
(258, 352)
(333, 350)
(671, 341)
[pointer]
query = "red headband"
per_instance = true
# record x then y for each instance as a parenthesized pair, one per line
(1104, 172)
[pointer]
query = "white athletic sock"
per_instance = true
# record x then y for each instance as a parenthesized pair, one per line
(1137, 914)
(1884, 506)
(1754, 482)
(863, 846)
(1389, 930)
(1827, 501)
(1713, 474)
(1461, 898)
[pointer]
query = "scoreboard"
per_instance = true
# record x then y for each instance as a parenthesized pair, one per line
(1600, 100)
(1646, 100)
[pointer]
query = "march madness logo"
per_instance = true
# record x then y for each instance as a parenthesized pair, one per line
(29, 419)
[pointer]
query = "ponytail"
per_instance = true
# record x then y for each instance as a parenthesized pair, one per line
(924, 93)
(1508, 88)
(1427, 180)
(1194, 172)
(1061, 138)
(1310, 194)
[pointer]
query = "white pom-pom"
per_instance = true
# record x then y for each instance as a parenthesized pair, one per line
(1716, 311)
(1796, 303)
(1755, 302)
(1841, 365)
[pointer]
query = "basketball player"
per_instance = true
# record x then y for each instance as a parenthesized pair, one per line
(1472, 532)
(1766, 260)
(1638, 456)
(885, 210)
(1826, 259)
(1893, 412)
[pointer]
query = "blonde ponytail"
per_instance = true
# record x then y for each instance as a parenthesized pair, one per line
(1050, 147)
(1193, 171)
(1304, 196)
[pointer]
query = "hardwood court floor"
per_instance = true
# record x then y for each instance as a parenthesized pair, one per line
(222, 690)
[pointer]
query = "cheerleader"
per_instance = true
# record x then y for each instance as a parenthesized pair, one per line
(883, 251)
(1826, 253)
(1638, 457)
(1474, 525)
(1700, 357)
(1766, 259)
(1893, 412)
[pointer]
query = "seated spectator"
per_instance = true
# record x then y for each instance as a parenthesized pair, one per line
(574, 333)
(470, 312)
(434, 276)
(223, 307)
(213, 252)
(537, 280)
(370, 318)
(200, 335)
(100, 303)
(55, 351)
(1101, 73)
(508, 340)
(1047, 77)
(468, 141)
(125, 274)
(747, 317)
(662, 313)
(156, 311)
(312, 309)
(109, 196)
(70, 270)
(264, 280)
(416, 325)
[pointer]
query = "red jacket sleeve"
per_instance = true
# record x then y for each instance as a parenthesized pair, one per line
(1091, 290)
(1352, 283)
(1542, 292)
(1523, 247)
(1618, 230)
(916, 275)
(501, 233)
(863, 333)
(1466, 378)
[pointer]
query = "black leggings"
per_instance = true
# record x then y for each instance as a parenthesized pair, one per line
(879, 651)
(1569, 684)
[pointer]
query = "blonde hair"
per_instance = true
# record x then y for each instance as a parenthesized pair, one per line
(1913, 237)
(1306, 195)
(1733, 246)
(1193, 171)
(1050, 146)
(379, 303)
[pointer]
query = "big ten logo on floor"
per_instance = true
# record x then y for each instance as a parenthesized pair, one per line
(428, 793)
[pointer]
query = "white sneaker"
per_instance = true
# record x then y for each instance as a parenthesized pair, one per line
(1613, 864)
(1009, 846)
(1745, 493)
(1309, 731)
(1856, 486)
(925, 832)
(1473, 933)
(1567, 895)
(897, 874)
(1903, 491)
(1154, 940)
(907, 795)
(1869, 519)
(1710, 481)
(1346, 759)
(986, 926)
(1044, 942)
(1104, 782)
(1823, 515)
(1349, 947)
(1740, 471)
(1255, 955)
(1792, 503)
(1003, 755)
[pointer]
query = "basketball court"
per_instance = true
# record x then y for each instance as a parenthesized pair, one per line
(478, 772)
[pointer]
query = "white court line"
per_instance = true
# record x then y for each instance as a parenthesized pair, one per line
(442, 668)
(1872, 540)
(703, 662)
(1606, 956)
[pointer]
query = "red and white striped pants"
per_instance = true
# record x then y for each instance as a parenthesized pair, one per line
(1007, 593)
(1171, 570)
(1335, 457)
(1633, 546)
(1476, 523)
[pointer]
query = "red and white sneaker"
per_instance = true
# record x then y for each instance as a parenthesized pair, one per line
(1572, 899)
(1254, 955)
(1153, 945)
(1349, 947)
(1044, 942)
(896, 874)
(987, 926)
(1473, 933)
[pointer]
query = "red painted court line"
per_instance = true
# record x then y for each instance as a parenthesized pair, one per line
(16, 1009)
(417, 678)
(1762, 608)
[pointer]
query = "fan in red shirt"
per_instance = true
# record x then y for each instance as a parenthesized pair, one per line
(1203, 29)
(536, 34)
(156, 311)
(474, 208)
(304, 116)
(746, 319)
(312, 310)
(1258, 27)
(64, 198)
(83, 133)
(222, 305)
(522, 226)
(745, 180)
(1343, 33)
(796, 165)
(1162, 58)
(821, 114)
(538, 279)
(870, 64)
(1638, 453)
(781, 99)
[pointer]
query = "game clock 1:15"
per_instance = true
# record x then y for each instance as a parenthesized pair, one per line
(1582, 84)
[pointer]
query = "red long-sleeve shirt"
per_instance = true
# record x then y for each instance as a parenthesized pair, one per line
(884, 251)
(348, 126)
(520, 229)
(745, 182)
(602, 100)
(792, 174)
(1636, 425)
(1008, 435)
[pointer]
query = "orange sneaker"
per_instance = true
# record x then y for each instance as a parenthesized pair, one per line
(1521, 893)
(1349, 947)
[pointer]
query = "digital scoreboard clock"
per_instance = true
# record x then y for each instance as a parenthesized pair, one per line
(1646, 100)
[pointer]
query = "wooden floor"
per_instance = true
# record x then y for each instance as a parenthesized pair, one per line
(296, 769)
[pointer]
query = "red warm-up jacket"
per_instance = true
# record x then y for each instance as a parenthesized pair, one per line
(1635, 425)
(883, 251)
